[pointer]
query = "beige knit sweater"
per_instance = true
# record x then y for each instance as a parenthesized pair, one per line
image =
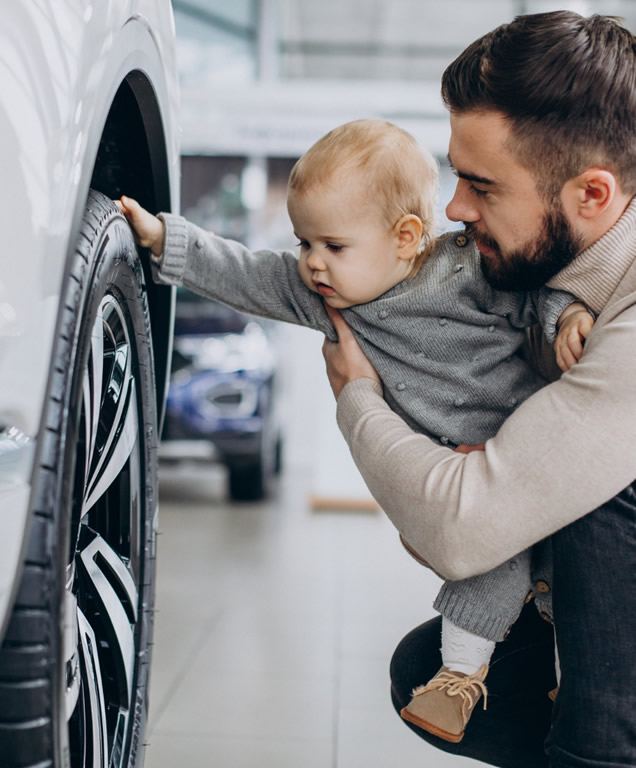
(565, 451)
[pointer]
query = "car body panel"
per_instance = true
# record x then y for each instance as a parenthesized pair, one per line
(60, 67)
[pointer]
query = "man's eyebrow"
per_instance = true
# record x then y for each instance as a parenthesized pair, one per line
(469, 176)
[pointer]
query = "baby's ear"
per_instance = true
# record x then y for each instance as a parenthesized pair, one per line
(409, 234)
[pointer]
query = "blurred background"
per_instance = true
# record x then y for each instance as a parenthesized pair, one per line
(282, 588)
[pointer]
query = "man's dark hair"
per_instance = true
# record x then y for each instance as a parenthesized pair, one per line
(566, 82)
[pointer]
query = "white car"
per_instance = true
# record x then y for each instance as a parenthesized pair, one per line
(88, 110)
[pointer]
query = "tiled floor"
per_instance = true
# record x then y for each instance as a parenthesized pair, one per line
(274, 631)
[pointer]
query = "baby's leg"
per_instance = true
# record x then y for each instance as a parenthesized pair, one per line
(477, 613)
(489, 604)
(463, 651)
(511, 732)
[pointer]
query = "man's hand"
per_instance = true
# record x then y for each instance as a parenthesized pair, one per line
(575, 324)
(148, 229)
(345, 360)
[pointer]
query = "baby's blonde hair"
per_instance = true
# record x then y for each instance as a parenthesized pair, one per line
(402, 175)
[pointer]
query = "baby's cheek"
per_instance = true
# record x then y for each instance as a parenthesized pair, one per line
(305, 275)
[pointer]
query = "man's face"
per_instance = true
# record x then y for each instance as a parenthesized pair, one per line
(523, 240)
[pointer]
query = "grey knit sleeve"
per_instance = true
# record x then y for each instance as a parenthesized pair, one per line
(550, 305)
(264, 283)
(526, 308)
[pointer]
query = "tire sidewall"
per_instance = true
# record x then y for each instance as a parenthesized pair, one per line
(105, 262)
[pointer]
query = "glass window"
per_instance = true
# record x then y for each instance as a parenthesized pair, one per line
(216, 41)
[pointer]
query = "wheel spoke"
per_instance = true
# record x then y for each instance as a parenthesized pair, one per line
(121, 444)
(95, 703)
(71, 652)
(110, 583)
(93, 385)
(114, 424)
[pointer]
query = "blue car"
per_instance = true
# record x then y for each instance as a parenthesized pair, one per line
(223, 398)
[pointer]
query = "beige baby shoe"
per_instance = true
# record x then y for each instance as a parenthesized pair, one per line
(444, 705)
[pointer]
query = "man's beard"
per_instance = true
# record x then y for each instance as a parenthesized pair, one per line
(536, 262)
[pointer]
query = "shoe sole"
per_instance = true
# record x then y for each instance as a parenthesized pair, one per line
(455, 738)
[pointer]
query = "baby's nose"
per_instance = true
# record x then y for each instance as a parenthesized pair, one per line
(314, 261)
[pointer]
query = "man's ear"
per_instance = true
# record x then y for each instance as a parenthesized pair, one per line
(408, 231)
(591, 193)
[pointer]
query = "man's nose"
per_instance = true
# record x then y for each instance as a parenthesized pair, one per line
(461, 206)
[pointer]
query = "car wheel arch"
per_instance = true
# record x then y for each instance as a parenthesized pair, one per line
(131, 120)
(131, 159)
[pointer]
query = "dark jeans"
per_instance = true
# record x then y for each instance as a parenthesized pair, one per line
(593, 721)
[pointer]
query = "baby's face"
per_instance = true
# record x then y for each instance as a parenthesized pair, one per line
(348, 254)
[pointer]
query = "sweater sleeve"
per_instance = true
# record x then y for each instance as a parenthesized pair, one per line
(543, 306)
(565, 451)
(550, 306)
(265, 283)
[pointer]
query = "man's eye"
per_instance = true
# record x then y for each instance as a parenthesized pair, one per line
(479, 192)
(334, 248)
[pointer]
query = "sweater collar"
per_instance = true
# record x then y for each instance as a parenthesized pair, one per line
(595, 273)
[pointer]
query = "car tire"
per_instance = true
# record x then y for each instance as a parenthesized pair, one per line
(249, 481)
(278, 456)
(74, 664)
(252, 478)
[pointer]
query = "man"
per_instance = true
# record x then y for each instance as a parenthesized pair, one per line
(543, 141)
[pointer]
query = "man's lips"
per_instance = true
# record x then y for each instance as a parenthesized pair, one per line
(484, 249)
(324, 289)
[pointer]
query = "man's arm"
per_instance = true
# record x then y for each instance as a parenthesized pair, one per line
(565, 451)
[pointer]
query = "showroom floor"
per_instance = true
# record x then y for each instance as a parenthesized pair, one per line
(274, 630)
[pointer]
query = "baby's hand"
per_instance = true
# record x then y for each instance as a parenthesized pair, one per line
(148, 229)
(574, 327)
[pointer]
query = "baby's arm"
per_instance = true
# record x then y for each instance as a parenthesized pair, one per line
(566, 322)
(524, 309)
(265, 283)
(574, 325)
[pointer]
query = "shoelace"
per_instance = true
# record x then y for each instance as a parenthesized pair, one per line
(469, 688)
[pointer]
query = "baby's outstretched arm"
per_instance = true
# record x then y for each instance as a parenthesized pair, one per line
(148, 229)
(574, 326)
(264, 282)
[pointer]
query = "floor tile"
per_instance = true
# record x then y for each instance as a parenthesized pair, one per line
(168, 749)
(275, 626)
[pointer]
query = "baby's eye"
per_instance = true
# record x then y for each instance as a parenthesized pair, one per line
(303, 244)
(334, 247)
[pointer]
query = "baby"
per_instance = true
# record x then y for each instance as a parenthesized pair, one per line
(444, 342)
